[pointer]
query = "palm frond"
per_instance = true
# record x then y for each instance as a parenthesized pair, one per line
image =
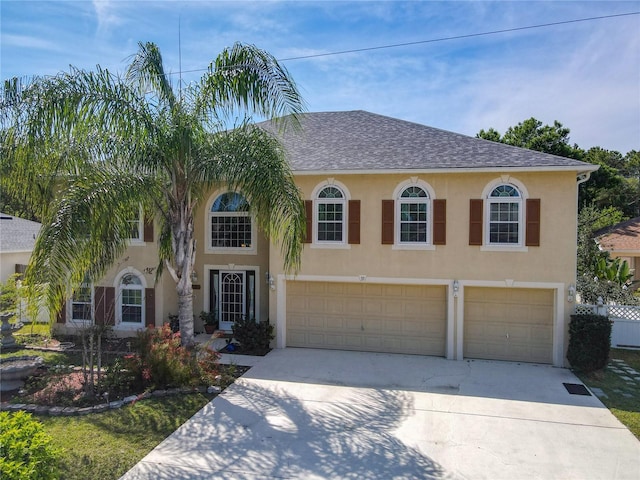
(249, 79)
(146, 72)
(88, 230)
(253, 162)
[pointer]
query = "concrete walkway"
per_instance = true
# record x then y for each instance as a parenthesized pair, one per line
(314, 414)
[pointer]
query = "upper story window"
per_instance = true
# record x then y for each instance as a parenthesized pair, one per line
(331, 215)
(413, 213)
(136, 227)
(504, 214)
(230, 223)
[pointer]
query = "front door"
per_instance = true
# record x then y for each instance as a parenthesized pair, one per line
(232, 296)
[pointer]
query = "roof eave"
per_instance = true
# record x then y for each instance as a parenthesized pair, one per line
(576, 168)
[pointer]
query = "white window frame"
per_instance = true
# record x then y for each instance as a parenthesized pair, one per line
(399, 200)
(208, 248)
(344, 201)
(120, 325)
(71, 301)
(140, 239)
(488, 201)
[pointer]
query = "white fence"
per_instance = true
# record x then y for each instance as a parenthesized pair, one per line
(625, 331)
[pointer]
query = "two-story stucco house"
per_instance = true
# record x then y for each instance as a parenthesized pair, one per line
(418, 241)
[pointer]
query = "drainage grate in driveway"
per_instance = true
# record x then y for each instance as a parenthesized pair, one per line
(576, 389)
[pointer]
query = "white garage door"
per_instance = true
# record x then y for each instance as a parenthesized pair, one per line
(509, 324)
(367, 317)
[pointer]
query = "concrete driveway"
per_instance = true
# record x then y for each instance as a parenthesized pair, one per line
(312, 414)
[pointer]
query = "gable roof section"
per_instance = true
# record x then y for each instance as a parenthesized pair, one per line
(359, 141)
(623, 237)
(17, 234)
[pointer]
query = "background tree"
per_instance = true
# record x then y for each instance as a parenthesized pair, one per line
(106, 145)
(533, 135)
(611, 195)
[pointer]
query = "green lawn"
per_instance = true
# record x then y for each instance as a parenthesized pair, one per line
(623, 397)
(106, 445)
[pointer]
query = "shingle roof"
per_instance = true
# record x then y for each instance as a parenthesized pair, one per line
(363, 141)
(17, 234)
(622, 237)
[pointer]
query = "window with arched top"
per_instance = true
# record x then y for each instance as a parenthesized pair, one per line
(504, 214)
(331, 215)
(230, 223)
(413, 213)
(131, 295)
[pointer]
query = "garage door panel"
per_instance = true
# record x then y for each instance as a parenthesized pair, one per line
(509, 324)
(372, 317)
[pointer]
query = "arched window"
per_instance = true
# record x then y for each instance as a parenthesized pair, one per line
(504, 214)
(413, 213)
(131, 300)
(230, 222)
(331, 215)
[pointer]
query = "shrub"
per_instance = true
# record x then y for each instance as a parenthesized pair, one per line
(589, 342)
(253, 336)
(26, 450)
(163, 362)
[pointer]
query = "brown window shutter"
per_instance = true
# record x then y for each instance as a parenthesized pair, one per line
(440, 222)
(20, 269)
(354, 222)
(533, 223)
(308, 210)
(62, 314)
(475, 221)
(388, 236)
(148, 230)
(150, 306)
(105, 305)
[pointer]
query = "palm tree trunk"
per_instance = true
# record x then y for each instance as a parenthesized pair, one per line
(183, 245)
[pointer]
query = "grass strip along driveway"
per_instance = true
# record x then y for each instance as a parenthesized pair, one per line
(618, 386)
(108, 444)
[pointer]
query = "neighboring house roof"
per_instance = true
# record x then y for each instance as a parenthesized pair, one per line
(356, 141)
(17, 234)
(623, 237)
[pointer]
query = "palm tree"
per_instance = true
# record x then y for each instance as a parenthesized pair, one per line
(98, 146)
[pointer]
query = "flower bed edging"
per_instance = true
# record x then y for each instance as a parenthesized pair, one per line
(57, 411)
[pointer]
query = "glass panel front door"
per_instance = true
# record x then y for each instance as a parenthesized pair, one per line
(232, 296)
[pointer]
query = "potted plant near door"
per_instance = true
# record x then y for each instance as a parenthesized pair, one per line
(209, 321)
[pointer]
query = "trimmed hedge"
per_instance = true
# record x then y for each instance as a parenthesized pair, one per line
(589, 342)
(253, 336)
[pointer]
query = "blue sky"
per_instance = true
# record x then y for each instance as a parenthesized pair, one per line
(585, 74)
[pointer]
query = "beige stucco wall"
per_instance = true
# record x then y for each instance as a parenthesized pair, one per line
(8, 261)
(553, 261)
(551, 265)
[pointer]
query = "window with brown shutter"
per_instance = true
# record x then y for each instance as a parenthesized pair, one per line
(439, 222)
(475, 221)
(354, 222)
(150, 306)
(308, 210)
(105, 305)
(533, 223)
(147, 234)
(388, 235)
